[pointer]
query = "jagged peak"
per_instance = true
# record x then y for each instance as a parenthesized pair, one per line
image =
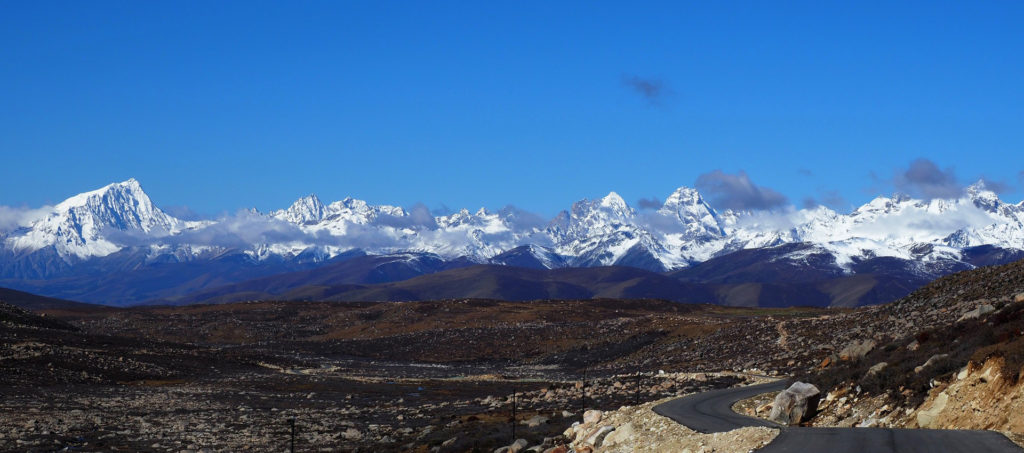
(350, 203)
(312, 198)
(899, 197)
(613, 200)
(882, 202)
(983, 197)
(980, 189)
(684, 195)
(306, 209)
(129, 188)
(310, 201)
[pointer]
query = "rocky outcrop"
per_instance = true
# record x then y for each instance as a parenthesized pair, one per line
(877, 368)
(857, 349)
(979, 397)
(795, 404)
(931, 361)
(982, 310)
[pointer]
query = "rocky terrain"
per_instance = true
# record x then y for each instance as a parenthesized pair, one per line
(443, 375)
(956, 364)
(964, 373)
(639, 429)
(161, 379)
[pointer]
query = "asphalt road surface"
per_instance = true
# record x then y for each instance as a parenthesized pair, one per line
(711, 412)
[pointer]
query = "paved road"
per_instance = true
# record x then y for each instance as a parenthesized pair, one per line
(711, 412)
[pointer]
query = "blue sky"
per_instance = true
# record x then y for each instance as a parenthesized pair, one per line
(223, 105)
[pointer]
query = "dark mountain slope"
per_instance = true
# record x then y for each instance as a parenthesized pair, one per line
(31, 301)
(359, 271)
(499, 282)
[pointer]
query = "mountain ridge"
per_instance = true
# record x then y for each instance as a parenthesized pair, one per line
(118, 229)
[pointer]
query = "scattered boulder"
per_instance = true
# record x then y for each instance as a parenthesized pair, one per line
(876, 368)
(570, 432)
(597, 437)
(622, 434)
(857, 349)
(931, 361)
(1019, 298)
(982, 310)
(535, 421)
(516, 447)
(592, 416)
(795, 404)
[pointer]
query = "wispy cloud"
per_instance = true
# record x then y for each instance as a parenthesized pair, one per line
(924, 179)
(183, 213)
(418, 217)
(245, 228)
(737, 192)
(12, 217)
(998, 187)
(649, 203)
(653, 91)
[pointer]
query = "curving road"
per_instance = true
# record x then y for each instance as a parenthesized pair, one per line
(711, 412)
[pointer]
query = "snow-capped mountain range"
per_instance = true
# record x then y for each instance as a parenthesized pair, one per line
(606, 231)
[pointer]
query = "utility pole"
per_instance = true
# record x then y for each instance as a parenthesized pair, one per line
(291, 421)
(637, 388)
(513, 413)
(583, 394)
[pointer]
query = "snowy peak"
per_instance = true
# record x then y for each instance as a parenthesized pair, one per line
(697, 217)
(122, 205)
(982, 197)
(76, 225)
(685, 196)
(615, 203)
(307, 209)
(686, 229)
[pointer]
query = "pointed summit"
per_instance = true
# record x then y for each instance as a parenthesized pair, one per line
(613, 200)
(697, 218)
(983, 197)
(308, 209)
(614, 203)
(122, 205)
(76, 225)
(687, 195)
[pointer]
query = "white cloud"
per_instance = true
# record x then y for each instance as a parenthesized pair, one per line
(12, 218)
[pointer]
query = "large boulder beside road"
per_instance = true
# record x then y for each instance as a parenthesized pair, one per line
(795, 404)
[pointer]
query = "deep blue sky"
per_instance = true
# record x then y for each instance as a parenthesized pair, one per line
(221, 105)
